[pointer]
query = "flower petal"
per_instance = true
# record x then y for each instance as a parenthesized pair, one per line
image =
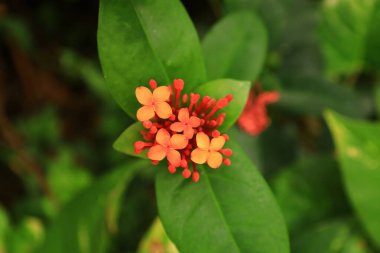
(157, 152)
(163, 110)
(174, 157)
(163, 137)
(145, 113)
(194, 121)
(217, 143)
(176, 127)
(178, 141)
(215, 160)
(144, 95)
(183, 115)
(188, 132)
(203, 141)
(161, 94)
(199, 156)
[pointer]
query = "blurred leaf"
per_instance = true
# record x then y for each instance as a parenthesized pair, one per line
(4, 228)
(302, 199)
(220, 88)
(345, 31)
(156, 240)
(312, 95)
(230, 209)
(142, 40)
(373, 41)
(26, 237)
(17, 30)
(377, 99)
(358, 144)
(83, 223)
(65, 177)
(125, 142)
(337, 236)
(241, 57)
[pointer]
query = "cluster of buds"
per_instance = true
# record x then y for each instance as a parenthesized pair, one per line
(254, 118)
(181, 128)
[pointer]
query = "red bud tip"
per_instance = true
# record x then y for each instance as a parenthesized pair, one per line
(215, 133)
(183, 163)
(172, 118)
(178, 84)
(227, 152)
(227, 162)
(229, 97)
(185, 98)
(172, 169)
(194, 98)
(139, 145)
(152, 84)
(223, 102)
(186, 173)
(226, 137)
(195, 176)
(153, 130)
(155, 162)
(147, 124)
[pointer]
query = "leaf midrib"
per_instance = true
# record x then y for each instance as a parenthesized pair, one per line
(147, 36)
(215, 199)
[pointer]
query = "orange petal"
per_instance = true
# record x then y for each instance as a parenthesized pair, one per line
(203, 141)
(163, 137)
(174, 157)
(178, 141)
(194, 121)
(145, 113)
(215, 160)
(188, 132)
(183, 115)
(199, 156)
(161, 94)
(176, 127)
(144, 95)
(157, 152)
(217, 143)
(163, 110)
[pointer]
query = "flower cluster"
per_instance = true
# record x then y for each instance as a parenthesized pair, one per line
(181, 129)
(254, 118)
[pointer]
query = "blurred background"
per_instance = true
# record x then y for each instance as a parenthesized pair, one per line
(58, 121)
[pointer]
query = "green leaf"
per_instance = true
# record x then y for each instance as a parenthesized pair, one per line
(125, 142)
(358, 144)
(373, 41)
(236, 47)
(26, 237)
(220, 88)
(4, 228)
(230, 209)
(82, 225)
(337, 236)
(306, 94)
(157, 240)
(377, 99)
(143, 39)
(302, 199)
(345, 31)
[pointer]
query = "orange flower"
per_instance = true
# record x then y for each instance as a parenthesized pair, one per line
(186, 123)
(153, 103)
(166, 147)
(208, 151)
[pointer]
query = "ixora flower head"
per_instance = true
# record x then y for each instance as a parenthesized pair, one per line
(181, 129)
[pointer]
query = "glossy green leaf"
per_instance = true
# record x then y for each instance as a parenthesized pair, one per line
(358, 144)
(337, 236)
(306, 94)
(83, 224)
(125, 142)
(346, 32)
(142, 39)
(236, 47)
(222, 87)
(156, 240)
(230, 209)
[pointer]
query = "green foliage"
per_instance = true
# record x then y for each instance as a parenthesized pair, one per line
(348, 34)
(359, 147)
(241, 57)
(133, 51)
(229, 210)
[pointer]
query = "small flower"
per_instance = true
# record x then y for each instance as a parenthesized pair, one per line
(254, 118)
(167, 146)
(186, 123)
(153, 103)
(208, 151)
(187, 115)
